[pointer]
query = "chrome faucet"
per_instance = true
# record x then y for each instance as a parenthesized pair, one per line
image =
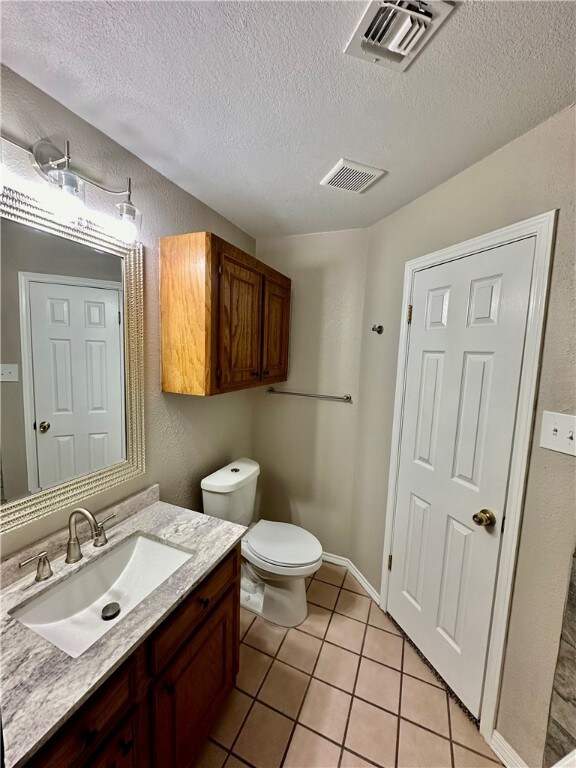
(73, 550)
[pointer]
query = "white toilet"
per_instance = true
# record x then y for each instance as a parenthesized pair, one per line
(277, 557)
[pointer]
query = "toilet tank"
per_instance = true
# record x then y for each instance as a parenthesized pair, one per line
(230, 492)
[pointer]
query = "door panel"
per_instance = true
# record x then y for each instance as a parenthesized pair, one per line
(462, 379)
(240, 311)
(82, 402)
(276, 330)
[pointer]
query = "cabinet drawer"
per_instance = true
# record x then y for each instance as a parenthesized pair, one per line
(75, 740)
(178, 627)
(121, 750)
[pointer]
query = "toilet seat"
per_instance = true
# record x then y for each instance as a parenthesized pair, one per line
(282, 548)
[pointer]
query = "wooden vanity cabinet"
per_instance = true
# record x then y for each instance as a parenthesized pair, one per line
(225, 317)
(158, 708)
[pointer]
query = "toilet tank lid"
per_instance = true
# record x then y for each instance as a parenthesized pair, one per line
(231, 477)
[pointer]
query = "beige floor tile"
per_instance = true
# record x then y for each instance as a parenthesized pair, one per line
(463, 758)
(331, 574)
(211, 756)
(378, 618)
(284, 688)
(424, 704)
(229, 722)
(413, 665)
(372, 733)
(383, 647)
(326, 710)
(322, 594)
(353, 761)
(300, 650)
(233, 762)
(253, 668)
(308, 750)
(418, 748)
(265, 636)
(351, 583)
(246, 620)
(316, 623)
(348, 633)
(379, 685)
(465, 732)
(264, 737)
(354, 606)
(337, 666)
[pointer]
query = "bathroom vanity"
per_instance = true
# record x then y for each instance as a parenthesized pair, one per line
(149, 690)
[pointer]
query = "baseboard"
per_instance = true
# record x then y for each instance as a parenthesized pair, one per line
(567, 762)
(506, 752)
(338, 560)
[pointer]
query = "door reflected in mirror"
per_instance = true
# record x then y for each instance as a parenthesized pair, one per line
(62, 354)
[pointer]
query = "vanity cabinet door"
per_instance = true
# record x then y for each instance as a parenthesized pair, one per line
(240, 324)
(123, 749)
(276, 319)
(189, 695)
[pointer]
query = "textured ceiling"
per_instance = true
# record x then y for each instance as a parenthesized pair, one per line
(247, 105)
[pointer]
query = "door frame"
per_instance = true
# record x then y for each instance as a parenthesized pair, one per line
(541, 227)
(24, 280)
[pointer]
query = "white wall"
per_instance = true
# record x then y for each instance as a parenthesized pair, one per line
(531, 175)
(186, 437)
(306, 446)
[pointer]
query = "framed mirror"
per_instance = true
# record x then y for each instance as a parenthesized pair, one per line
(71, 354)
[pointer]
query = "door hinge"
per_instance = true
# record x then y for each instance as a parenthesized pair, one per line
(119, 318)
(389, 562)
(220, 270)
(218, 373)
(409, 314)
(502, 526)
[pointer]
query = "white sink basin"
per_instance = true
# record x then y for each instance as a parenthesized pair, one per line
(70, 614)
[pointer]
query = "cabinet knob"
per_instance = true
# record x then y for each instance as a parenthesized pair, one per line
(204, 602)
(125, 746)
(266, 373)
(169, 688)
(89, 736)
(256, 374)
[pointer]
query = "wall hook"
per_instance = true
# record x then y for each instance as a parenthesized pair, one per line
(379, 329)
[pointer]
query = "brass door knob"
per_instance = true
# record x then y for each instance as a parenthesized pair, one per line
(486, 518)
(44, 426)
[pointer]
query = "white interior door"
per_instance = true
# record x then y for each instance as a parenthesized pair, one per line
(78, 379)
(462, 381)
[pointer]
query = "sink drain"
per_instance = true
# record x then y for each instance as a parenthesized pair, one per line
(110, 611)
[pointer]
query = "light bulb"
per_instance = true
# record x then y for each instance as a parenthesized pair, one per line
(129, 224)
(68, 202)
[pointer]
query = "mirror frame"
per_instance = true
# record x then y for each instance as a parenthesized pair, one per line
(24, 209)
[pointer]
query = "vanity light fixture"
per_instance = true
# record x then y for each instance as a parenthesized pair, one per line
(54, 166)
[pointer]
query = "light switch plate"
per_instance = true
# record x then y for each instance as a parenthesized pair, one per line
(8, 372)
(558, 432)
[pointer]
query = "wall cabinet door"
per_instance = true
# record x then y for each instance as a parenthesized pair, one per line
(188, 696)
(276, 319)
(240, 324)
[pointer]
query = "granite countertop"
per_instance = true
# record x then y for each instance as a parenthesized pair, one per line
(41, 686)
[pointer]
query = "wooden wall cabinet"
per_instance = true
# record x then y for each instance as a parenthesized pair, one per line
(158, 708)
(225, 317)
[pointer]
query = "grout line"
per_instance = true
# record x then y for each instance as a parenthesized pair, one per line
(311, 677)
(254, 698)
(354, 686)
(450, 729)
(396, 762)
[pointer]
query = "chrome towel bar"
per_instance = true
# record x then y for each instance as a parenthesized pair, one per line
(339, 398)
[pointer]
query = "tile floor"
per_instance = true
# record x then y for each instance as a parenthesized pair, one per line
(342, 690)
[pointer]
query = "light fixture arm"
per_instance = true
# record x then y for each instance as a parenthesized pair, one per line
(66, 160)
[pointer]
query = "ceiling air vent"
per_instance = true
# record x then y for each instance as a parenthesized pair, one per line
(393, 33)
(354, 177)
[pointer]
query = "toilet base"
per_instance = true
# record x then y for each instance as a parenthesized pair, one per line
(281, 601)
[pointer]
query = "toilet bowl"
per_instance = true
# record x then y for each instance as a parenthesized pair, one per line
(277, 557)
